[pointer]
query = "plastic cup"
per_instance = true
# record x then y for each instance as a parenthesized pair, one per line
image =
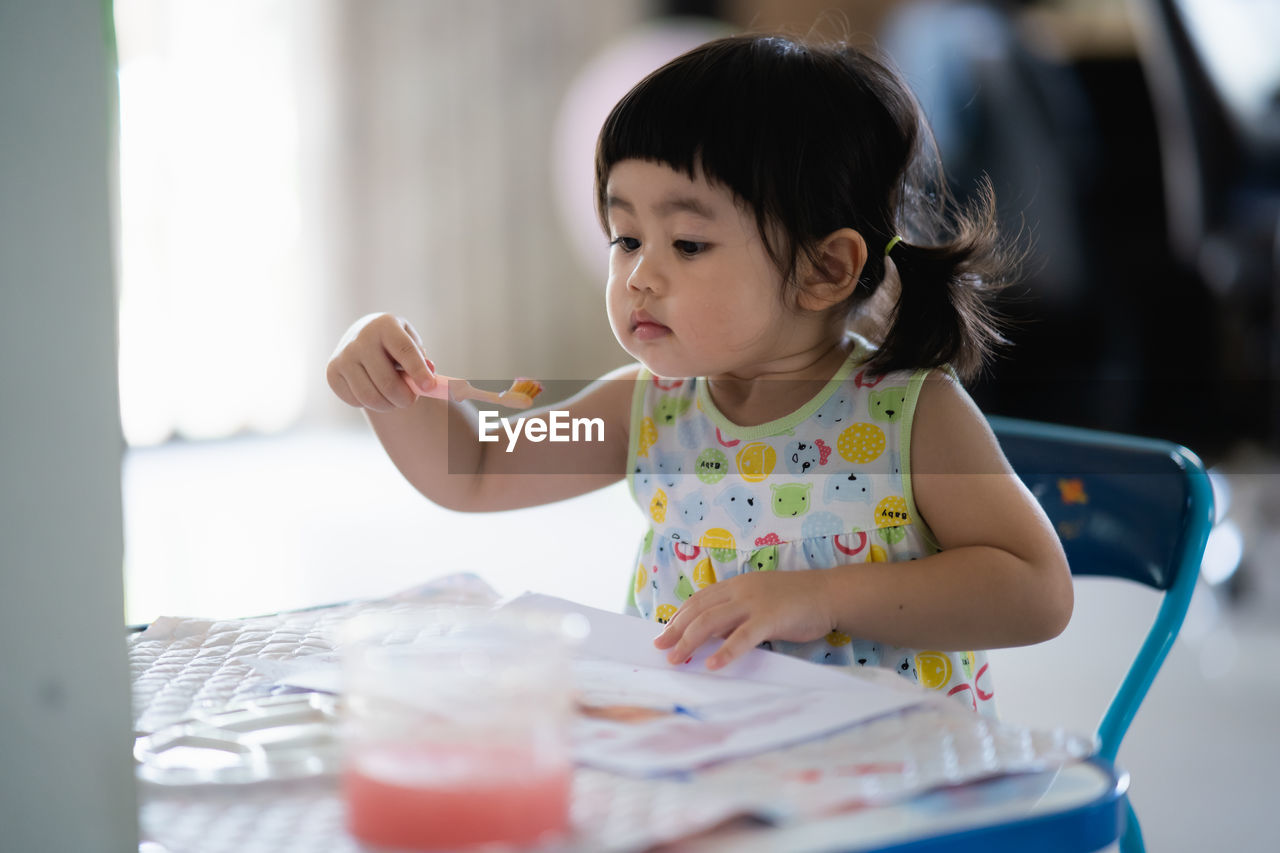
(456, 729)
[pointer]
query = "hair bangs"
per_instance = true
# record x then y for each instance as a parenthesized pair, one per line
(698, 114)
(725, 111)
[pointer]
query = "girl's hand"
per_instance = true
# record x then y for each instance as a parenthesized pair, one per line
(377, 363)
(747, 610)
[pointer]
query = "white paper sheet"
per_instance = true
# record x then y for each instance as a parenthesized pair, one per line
(626, 639)
(643, 716)
(761, 701)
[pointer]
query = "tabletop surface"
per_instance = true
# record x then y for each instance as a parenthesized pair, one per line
(933, 769)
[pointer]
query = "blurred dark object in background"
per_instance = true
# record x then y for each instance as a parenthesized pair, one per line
(999, 108)
(1109, 330)
(1213, 69)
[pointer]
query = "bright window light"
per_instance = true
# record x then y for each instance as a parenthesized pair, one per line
(211, 341)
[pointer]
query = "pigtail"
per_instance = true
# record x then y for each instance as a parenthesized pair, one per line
(945, 312)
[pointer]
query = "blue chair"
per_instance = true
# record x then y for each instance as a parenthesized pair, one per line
(1124, 507)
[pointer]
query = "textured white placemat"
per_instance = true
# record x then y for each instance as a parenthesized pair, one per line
(184, 666)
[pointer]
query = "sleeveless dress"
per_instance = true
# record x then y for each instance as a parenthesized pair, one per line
(826, 486)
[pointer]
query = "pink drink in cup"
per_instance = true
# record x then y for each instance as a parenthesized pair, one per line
(456, 730)
(441, 797)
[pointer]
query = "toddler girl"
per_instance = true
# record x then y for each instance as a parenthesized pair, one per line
(804, 489)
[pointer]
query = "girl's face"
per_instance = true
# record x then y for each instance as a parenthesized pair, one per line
(692, 290)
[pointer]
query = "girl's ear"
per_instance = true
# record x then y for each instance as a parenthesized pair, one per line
(841, 256)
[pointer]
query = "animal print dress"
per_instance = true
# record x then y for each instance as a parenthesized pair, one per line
(828, 485)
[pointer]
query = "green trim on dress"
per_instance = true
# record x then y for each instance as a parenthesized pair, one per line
(860, 352)
(637, 418)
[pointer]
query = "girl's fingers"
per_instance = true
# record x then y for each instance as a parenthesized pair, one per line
(701, 600)
(418, 390)
(380, 365)
(405, 350)
(413, 333)
(366, 390)
(390, 383)
(417, 339)
(342, 388)
(718, 621)
(738, 643)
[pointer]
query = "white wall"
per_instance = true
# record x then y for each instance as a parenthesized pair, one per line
(66, 780)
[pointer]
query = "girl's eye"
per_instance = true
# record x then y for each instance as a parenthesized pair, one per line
(690, 247)
(627, 244)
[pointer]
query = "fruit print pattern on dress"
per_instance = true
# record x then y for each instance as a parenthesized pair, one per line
(756, 461)
(861, 443)
(711, 465)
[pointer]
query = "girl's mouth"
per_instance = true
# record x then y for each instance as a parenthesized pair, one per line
(646, 328)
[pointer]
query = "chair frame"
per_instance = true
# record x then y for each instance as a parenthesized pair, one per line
(1195, 524)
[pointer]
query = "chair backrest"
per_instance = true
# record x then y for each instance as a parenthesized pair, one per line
(1126, 507)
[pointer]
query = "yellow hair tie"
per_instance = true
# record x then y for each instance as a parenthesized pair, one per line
(897, 238)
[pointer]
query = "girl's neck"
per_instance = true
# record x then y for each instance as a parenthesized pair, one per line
(769, 392)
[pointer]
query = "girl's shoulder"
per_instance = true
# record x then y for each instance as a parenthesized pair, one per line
(908, 387)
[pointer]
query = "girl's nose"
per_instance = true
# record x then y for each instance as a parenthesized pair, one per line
(644, 274)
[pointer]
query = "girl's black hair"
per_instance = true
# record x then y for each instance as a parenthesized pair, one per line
(814, 138)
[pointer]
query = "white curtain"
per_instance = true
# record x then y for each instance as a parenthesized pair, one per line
(288, 165)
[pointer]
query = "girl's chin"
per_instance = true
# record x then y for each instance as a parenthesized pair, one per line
(663, 358)
(659, 364)
(666, 369)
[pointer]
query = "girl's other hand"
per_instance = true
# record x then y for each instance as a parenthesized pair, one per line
(377, 364)
(747, 610)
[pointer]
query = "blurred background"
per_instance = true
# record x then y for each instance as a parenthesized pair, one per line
(287, 166)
